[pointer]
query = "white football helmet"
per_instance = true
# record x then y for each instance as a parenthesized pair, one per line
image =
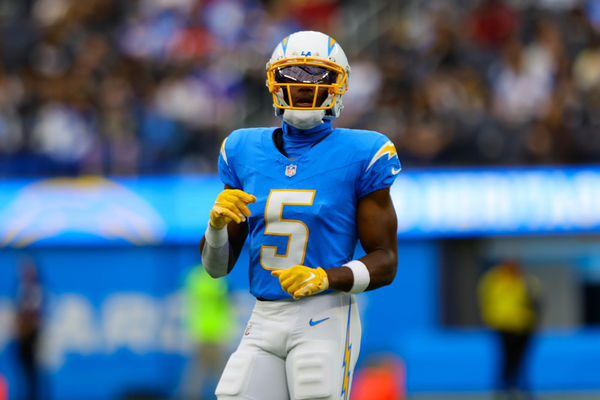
(313, 59)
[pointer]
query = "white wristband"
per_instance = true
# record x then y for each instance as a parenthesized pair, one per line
(216, 237)
(362, 278)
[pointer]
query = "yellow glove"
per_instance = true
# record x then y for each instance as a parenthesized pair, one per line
(231, 205)
(301, 280)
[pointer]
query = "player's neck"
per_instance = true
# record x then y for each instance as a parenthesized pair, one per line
(298, 141)
(316, 132)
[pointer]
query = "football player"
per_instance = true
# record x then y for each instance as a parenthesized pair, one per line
(301, 195)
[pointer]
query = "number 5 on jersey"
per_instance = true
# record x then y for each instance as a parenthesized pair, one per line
(296, 231)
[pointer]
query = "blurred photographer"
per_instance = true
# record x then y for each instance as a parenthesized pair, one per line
(29, 325)
(510, 305)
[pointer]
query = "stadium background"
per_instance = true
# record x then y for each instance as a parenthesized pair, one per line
(111, 114)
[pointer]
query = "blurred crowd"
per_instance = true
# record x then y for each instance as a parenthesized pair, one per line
(152, 86)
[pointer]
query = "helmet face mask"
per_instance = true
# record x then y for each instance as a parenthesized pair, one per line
(308, 71)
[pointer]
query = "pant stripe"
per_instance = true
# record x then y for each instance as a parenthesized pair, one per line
(347, 352)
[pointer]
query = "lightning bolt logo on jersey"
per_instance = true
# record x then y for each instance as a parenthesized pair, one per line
(308, 217)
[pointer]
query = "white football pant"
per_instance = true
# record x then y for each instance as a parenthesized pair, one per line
(295, 350)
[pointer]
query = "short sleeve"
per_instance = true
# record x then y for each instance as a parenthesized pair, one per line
(226, 172)
(381, 170)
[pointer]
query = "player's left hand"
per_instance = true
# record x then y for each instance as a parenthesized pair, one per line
(300, 280)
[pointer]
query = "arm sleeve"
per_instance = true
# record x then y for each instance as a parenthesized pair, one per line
(380, 170)
(215, 253)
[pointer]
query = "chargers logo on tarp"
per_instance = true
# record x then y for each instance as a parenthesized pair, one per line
(75, 206)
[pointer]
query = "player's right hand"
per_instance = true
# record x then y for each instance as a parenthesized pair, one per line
(231, 205)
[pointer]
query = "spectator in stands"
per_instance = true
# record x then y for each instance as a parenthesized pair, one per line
(493, 23)
(146, 86)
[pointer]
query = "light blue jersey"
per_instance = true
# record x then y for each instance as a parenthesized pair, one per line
(305, 210)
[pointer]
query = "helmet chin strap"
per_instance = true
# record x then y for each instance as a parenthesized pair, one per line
(303, 119)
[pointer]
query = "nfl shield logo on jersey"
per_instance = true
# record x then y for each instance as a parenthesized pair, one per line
(290, 170)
